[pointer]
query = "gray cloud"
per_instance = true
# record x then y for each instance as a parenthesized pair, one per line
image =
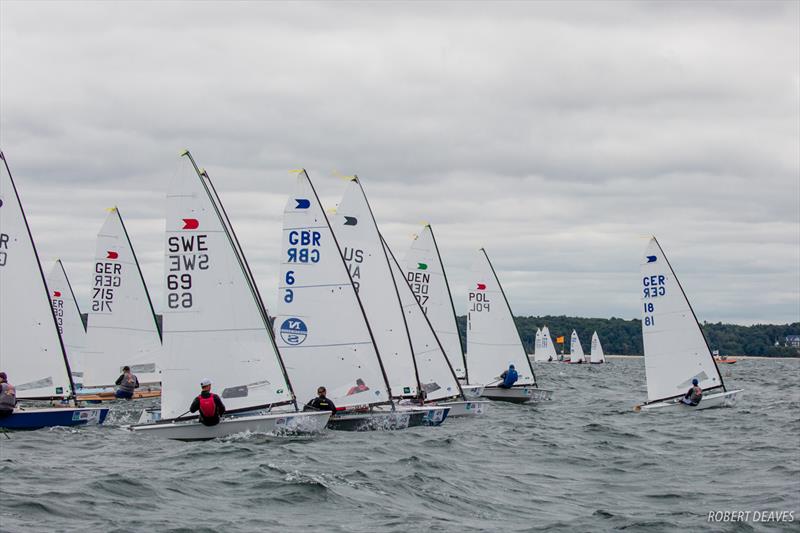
(553, 134)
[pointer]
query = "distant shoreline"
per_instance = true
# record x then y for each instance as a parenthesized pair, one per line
(730, 357)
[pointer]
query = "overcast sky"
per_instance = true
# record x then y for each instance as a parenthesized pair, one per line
(555, 135)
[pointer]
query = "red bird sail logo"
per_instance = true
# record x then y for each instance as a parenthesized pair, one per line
(56, 294)
(481, 286)
(112, 255)
(190, 223)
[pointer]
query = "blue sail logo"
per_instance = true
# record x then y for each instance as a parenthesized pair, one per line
(302, 203)
(651, 259)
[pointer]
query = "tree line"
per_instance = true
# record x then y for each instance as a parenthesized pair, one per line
(624, 337)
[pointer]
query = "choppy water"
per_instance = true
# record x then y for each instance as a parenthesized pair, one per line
(583, 462)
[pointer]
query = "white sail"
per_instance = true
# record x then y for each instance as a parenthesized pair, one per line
(597, 350)
(31, 352)
(436, 376)
(214, 325)
(68, 319)
(674, 347)
(547, 350)
(576, 354)
(426, 275)
(537, 343)
(122, 329)
(362, 249)
(321, 328)
(493, 342)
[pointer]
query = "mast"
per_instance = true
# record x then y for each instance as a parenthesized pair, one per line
(71, 395)
(358, 298)
(530, 365)
(203, 176)
(428, 322)
(139, 270)
(396, 291)
(452, 305)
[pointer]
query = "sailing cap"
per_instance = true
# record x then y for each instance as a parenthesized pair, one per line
(205, 382)
(695, 382)
(3, 376)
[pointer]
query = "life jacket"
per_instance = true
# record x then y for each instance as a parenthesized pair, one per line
(8, 397)
(511, 377)
(128, 383)
(208, 408)
(697, 394)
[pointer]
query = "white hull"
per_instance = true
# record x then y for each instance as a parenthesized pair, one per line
(472, 392)
(277, 424)
(720, 399)
(466, 408)
(433, 415)
(517, 394)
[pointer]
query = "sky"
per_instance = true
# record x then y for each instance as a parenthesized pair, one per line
(558, 136)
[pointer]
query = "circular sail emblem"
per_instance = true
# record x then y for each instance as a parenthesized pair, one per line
(293, 331)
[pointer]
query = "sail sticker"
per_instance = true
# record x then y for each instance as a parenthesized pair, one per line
(350, 221)
(107, 278)
(479, 300)
(422, 266)
(112, 255)
(302, 203)
(186, 254)
(4, 238)
(651, 259)
(420, 286)
(294, 331)
(354, 258)
(190, 223)
(57, 294)
(481, 287)
(304, 246)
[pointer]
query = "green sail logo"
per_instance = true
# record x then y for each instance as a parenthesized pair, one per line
(422, 266)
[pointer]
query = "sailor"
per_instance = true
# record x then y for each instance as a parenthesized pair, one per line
(126, 383)
(359, 387)
(509, 377)
(209, 404)
(8, 396)
(694, 394)
(321, 402)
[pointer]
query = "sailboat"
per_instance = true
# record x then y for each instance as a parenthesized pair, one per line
(537, 343)
(68, 319)
(32, 352)
(576, 355)
(122, 329)
(675, 350)
(546, 352)
(597, 356)
(493, 342)
(216, 326)
(427, 278)
(379, 290)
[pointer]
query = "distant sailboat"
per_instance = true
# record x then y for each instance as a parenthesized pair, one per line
(576, 355)
(493, 342)
(537, 342)
(546, 353)
(122, 329)
(68, 319)
(597, 356)
(31, 350)
(675, 350)
(216, 326)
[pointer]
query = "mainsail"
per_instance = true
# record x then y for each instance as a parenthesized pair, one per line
(674, 346)
(597, 350)
(576, 354)
(321, 328)
(427, 277)
(122, 328)
(547, 350)
(31, 350)
(367, 261)
(68, 319)
(493, 342)
(214, 325)
(435, 373)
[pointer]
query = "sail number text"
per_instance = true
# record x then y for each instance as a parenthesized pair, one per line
(186, 254)
(107, 277)
(652, 287)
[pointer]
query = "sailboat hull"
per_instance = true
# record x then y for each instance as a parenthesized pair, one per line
(721, 399)
(472, 392)
(376, 421)
(305, 423)
(56, 416)
(517, 394)
(432, 415)
(468, 408)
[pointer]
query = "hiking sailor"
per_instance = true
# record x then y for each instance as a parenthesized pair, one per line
(209, 404)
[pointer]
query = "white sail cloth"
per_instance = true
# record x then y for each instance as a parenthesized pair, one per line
(68, 319)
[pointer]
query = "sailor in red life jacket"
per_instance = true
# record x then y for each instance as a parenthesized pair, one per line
(209, 404)
(359, 387)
